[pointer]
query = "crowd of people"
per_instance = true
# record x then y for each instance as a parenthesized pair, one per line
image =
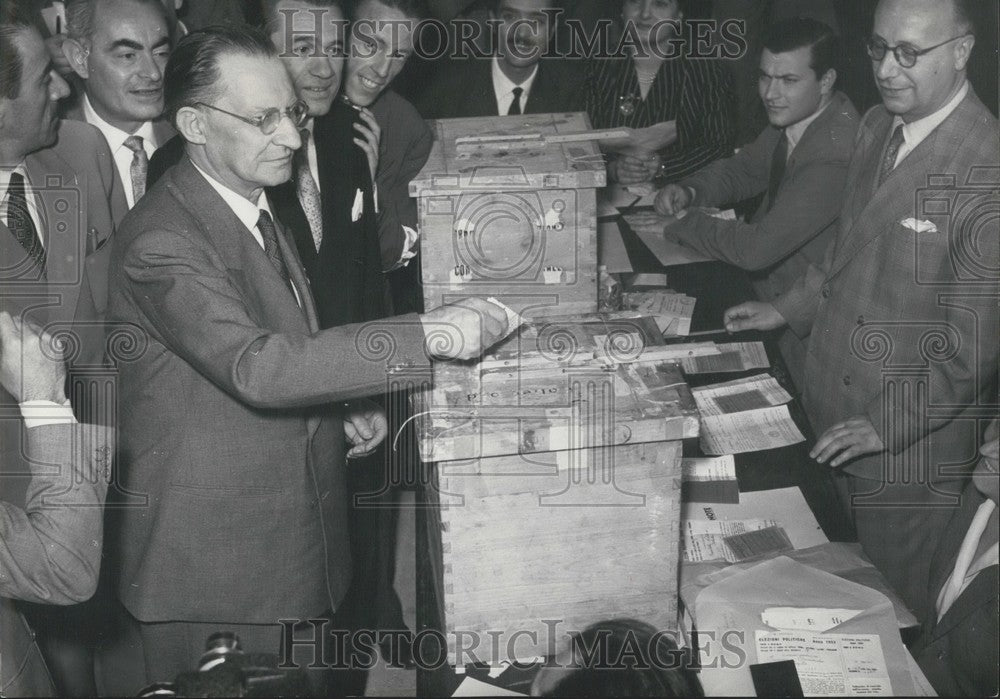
(210, 278)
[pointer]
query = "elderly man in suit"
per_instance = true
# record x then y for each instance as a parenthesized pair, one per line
(118, 49)
(903, 316)
(516, 79)
(50, 549)
(959, 643)
(235, 417)
(799, 163)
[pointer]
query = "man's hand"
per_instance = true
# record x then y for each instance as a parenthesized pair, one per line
(25, 371)
(371, 136)
(672, 199)
(464, 329)
(752, 315)
(849, 439)
(365, 427)
(633, 169)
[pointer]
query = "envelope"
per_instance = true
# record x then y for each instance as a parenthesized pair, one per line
(730, 611)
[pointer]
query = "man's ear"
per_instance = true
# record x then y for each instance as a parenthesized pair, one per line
(190, 124)
(963, 49)
(828, 80)
(76, 53)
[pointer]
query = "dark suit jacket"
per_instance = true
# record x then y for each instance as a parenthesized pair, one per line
(47, 553)
(958, 654)
(464, 88)
(346, 273)
(227, 418)
(786, 235)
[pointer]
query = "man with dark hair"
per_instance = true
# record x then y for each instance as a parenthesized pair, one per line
(381, 41)
(234, 419)
(118, 48)
(799, 163)
(518, 79)
(901, 314)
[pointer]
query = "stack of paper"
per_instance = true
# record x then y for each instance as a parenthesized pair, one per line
(671, 311)
(745, 415)
(732, 357)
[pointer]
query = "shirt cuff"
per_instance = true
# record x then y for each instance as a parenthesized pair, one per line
(37, 413)
(409, 243)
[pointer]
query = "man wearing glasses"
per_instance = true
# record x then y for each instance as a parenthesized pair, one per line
(233, 416)
(903, 310)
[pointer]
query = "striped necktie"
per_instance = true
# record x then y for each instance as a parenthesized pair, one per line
(265, 224)
(20, 223)
(307, 191)
(891, 152)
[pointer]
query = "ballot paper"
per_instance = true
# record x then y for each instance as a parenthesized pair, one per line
(704, 540)
(671, 311)
(710, 480)
(514, 319)
(732, 356)
(751, 393)
(863, 655)
(806, 618)
(752, 430)
(830, 664)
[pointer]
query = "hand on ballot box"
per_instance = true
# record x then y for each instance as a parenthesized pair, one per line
(641, 166)
(752, 315)
(464, 329)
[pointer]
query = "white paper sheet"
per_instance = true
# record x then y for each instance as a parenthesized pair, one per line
(719, 468)
(830, 664)
(751, 393)
(816, 619)
(753, 430)
(732, 356)
(671, 311)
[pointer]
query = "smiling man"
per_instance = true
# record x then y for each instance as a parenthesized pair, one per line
(901, 314)
(118, 48)
(799, 163)
(518, 78)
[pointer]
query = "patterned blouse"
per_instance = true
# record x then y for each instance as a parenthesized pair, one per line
(695, 92)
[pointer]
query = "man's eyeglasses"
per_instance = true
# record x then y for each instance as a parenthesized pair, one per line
(268, 122)
(905, 55)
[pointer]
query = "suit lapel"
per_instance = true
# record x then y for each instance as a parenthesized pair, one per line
(894, 200)
(980, 592)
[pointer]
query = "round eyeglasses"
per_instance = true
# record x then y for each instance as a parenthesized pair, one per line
(905, 55)
(268, 122)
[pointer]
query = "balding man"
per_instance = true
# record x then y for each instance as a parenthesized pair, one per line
(903, 310)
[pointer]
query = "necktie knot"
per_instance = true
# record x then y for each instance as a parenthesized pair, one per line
(134, 144)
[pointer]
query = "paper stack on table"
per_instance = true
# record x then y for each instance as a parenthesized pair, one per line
(745, 415)
(671, 311)
(710, 480)
(731, 357)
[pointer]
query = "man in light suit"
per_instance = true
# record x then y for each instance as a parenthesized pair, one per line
(799, 162)
(235, 420)
(903, 311)
(516, 79)
(118, 49)
(50, 549)
(959, 643)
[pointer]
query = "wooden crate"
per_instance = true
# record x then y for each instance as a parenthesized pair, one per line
(517, 221)
(534, 546)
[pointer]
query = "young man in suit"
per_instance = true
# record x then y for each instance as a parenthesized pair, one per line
(50, 551)
(235, 421)
(381, 42)
(957, 649)
(799, 162)
(902, 311)
(118, 49)
(517, 79)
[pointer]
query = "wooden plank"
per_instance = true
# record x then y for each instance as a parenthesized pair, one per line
(523, 550)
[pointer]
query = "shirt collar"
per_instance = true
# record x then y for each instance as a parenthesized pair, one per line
(505, 85)
(916, 131)
(246, 211)
(112, 134)
(794, 132)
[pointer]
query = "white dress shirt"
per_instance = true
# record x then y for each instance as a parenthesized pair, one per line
(246, 211)
(121, 153)
(916, 131)
(503, 87)
(30, 196)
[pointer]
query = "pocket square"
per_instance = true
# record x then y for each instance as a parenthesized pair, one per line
(359, 206)
(919, 226)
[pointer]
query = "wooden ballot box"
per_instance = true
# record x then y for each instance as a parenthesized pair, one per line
(556, 485)
(508, 210)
